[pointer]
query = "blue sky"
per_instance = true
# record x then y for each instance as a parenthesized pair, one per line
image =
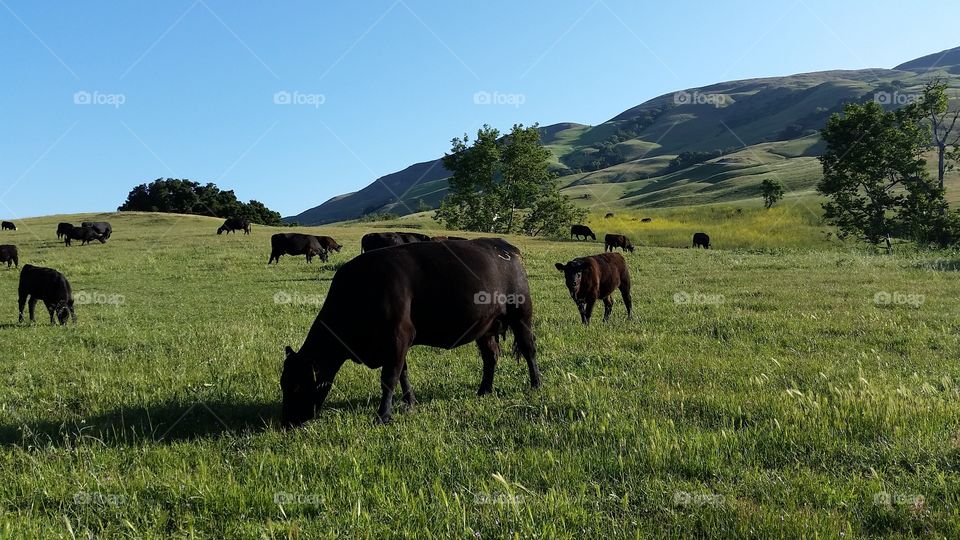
(100, 96)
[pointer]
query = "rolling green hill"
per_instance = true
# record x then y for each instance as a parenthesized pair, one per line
(730, 135)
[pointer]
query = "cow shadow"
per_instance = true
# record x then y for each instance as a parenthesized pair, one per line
(164, 423)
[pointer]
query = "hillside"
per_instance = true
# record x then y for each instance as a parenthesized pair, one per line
(732, 135)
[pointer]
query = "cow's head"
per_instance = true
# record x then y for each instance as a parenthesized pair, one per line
(62, 311)
(102, 239)
(573, 274)
(299, 385)
(324, 256)
(629, 247)
(220, 229)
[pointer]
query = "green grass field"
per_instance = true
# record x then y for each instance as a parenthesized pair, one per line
(796, 393)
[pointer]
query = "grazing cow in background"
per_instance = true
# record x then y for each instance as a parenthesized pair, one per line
(442, 238)
(613, 241)
(8, 254)
(101, 227)
(581, 230)
(50, 286)
(646, 220)
(8, 226)
(62, 229)
(701, 240)
(608, 216)
(329, 244)
(84, 234)
(295, 244)
(379, 240)
(597, 277)
(427, 293)
(235, 224)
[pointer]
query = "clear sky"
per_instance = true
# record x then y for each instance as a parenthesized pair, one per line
(99, 96)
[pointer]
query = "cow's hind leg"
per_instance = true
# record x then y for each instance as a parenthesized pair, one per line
(389, 376)
(627, 301)
(489, 350)
(408, 396)
(23, 301)
(33, 308)
(607, 308)
(525, 344)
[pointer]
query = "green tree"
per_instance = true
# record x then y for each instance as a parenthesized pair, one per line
(503, 185)
(934, 107)
(772, 191)
(874, 173)
(174, 195)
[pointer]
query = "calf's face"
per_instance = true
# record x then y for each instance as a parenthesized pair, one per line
(298, 383)
(573, 274)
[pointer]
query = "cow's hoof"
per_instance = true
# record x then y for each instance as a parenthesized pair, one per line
(382, 420)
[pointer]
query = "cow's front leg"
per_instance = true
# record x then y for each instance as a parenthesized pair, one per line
(408, 396)
(588, 311)
(607, 308)
(389, 374)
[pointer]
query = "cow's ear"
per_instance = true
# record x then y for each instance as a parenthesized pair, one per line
(288, 351)
(560, 267)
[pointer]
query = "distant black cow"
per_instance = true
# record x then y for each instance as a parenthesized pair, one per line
(329, 244)
(609, 215)
(597, 277)
(235, 224)
(581, 230)
(49, 286)
(613, 241)
(442, 238)
(84, 234)
(439, 294)
(295, 244)
(378, 240)
(701, 240)
(101, 227)
(62, 229)
(646, 220)
(8, 254)
(8, 226)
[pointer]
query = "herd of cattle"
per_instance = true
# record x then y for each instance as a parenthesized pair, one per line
(404, 289)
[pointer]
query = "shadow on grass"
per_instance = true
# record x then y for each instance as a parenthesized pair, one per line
(167, 422)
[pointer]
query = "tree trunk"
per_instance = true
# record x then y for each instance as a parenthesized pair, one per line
(889, 245)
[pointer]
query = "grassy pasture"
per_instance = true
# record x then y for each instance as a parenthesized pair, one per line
(802, 393)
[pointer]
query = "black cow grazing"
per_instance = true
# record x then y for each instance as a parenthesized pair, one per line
(62, 229)
(8, 226)
(329, 244)
(597, 277)
(8, 254)
(101, 227)
(439, 294)
(646, 220)
(608, 216)
(581, 230)
(701, 240)
(84, 234)
(379, 240)
(235, 224)
(613, 241)
(442, 238)
(295, 244)
(50, 286)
